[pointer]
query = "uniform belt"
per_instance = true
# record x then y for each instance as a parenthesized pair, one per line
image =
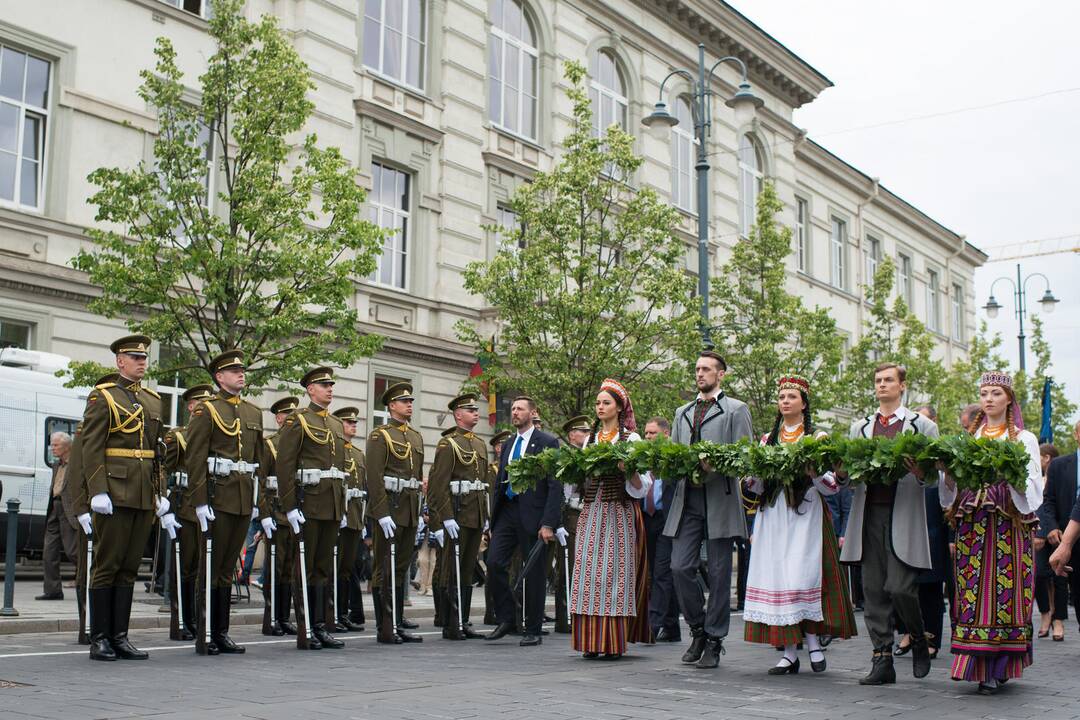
(223, 467)
(394, 485)
(271, 482)
(464, 487)
(129, 453)
(312, 476)
(354, 493)
(180, 479)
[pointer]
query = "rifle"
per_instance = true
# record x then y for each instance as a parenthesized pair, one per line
(457, 553)
(202, 638)
(270, 597)
(303, 630)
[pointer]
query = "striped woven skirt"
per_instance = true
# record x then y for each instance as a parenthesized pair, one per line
(995, 587)
(838, 617)
(610, 598)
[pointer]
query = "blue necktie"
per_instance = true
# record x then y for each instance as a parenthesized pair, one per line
(515, 453)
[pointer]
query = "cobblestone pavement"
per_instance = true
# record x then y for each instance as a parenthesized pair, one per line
(48, 676)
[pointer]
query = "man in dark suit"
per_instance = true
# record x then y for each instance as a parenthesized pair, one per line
(517, 521)
(61, 527)
(1059, 497)
(663, 604)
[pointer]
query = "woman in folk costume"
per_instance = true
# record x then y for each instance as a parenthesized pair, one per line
(610, 597)
(796, 589)
(994, 565)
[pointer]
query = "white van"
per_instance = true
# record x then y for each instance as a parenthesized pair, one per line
(33, 404)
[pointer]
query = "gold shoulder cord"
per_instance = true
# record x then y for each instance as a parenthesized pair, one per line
(273, 450)
(314, 433)
(400, 450)
(231, 430)
(132, 423)
(465, 457)
(181, 440)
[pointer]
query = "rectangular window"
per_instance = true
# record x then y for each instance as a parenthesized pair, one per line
(15, 334)
(57, 424)
(389, 201)
(802, 233)
(507, 220)
(872, 250)
(394, 39)
(903, 277)
(202, 8)
(379, 414)
(24, 114)
(838, 253)
(683, 158)
(933, 301)
(958, 312)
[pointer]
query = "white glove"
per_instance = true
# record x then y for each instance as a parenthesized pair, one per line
(296, 519)
(438, 535)
(255, 512)
(205, 514)
(162, 506)
(170, 525)
(344, 521)
(84, 520)
(101, 504)
(363, 533)
(452, 528)
(561, 536)
(388, 526)
(268, 526)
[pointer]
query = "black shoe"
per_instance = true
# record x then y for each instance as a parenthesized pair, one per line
(902, 650)
(501, 631)
(212, 648)
(697, 646)
(100, 609)
(408, 624)
(471, 634)
(51, 596)
(792, 668)
(100, 649)
(530, 640)
(121, 615)
(590, 655)
(666, 635)
(409, 638)
(346, 625)
(325, 639)
(710, 658)
(226, 646)
(818, 666)
(882, 672)
(313, 642)
(824, 640)
(287, 627)
(548, 619)
(221, 638)
(920, 657)
(989, 688)
(185, 634)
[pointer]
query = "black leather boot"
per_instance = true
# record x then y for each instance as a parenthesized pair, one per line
(882, 671)
(284, 608)
(121, 615)
(385, 632)
(220, 633)
(318, 622)
(343, 623)
(920, 657)
(466, 608)
(710, 656)
(101, 624)
(489, 606)
(439, 598)
(405, 637)
(697, 645)
(187, 619)
(451, 630)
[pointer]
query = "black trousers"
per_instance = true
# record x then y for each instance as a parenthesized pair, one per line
(510, 534)
(663, 604)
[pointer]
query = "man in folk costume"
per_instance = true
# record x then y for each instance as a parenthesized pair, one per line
(311, 465)
(176, 441)
(577, 431)
(395, 463)
(712, 512)
(121, 433)
(457, 502)
(272, 518)
(352, 526)
(887, 533)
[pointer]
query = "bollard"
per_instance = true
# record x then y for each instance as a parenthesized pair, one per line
(9, 558)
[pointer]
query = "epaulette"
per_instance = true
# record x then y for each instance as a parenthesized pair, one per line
(290, 420)
(198, 410)
(449, 431)
(103, 386)
(152, 392)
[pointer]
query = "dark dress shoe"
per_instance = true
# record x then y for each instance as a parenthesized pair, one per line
(817, 666)
(226, 646)
(185, 634)
(125, 650)
(50, 596)
(100, 649)
(408, 624)
(313, 642)
(590, 655)
(530, 640)
(344, 624)
(882, 672)
(212, 648)
(710, 657)
(471, 634)
(408, 638)
(697, 646)
(824, 640)
(500, 631)
(666, 635)
(989, 688)
(451, 632)
(920, 658)
(792, 668)
(287, 627)
(326, 640)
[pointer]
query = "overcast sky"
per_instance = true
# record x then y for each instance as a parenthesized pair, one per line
(1003, 174)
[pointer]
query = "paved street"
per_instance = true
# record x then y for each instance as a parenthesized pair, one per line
(476, 679)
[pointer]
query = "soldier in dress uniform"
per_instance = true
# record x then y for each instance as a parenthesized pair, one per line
(121, 433)
(458, 500)
(577, 433)
(225, 449)
(395, 461)
(176, 441)
(310, 470)
(352, 527)
(496, 443)
(272, 517)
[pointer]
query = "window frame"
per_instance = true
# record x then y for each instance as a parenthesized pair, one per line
(46, 117)
(958, 311)
(51, 423)
(905, 277)
(602, 91)
(379, 415)
(684, 135)
(508, 41)
(15, 322)
(803, 225)
(933, 300)
(747, 175)
(405, 213)
(503, 217)
(205, 8)
(403, 81)
(872, 256)
(838, 265)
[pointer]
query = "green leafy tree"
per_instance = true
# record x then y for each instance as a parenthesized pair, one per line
(268, 261)
(763, 330)
(892, 333)
(590, 284)
(962, 385)
(1029, 392)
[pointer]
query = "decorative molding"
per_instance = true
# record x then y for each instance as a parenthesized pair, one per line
(508, 164)
(162, 10)
(393, 118)
(108, 110)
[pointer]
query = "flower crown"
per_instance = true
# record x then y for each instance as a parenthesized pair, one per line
(618, 388)
(794, 382)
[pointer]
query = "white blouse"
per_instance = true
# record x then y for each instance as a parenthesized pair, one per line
(1031, 499)
(646, 478)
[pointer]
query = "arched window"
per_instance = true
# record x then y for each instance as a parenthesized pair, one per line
(512, 68)
(607, 91)
(751, 176)
(683, 156)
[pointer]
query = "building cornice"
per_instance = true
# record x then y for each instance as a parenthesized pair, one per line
(389, 116)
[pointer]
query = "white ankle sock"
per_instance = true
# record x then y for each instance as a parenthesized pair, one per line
(789, 654)
(810, 640)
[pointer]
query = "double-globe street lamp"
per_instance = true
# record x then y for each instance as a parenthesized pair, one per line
(745, 104)
(1048, 301)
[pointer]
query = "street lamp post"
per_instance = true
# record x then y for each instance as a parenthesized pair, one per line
(1048, 301)
(744, 103)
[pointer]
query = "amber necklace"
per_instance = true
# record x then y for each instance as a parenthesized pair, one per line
(994, 431)
(790, 436)
(603, 436)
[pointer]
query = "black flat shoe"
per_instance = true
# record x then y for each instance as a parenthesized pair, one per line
(501, 631)
(408, 624)
(528, 640)
(989, 688)
(792, 668)
(818, 665)
(590, 655)
(901, 650)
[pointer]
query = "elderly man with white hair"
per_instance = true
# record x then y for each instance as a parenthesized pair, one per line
(61, 526)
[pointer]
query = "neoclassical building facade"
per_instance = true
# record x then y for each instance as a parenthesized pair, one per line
(445, 107)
